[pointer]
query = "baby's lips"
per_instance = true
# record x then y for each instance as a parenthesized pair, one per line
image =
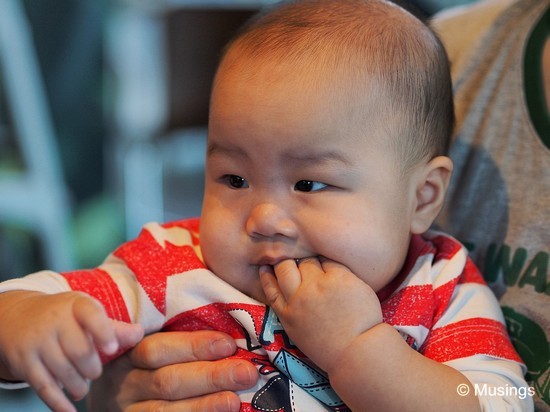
(266, 269)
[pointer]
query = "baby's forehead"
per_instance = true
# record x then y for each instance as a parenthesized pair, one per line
(313, 106)
(353, 85)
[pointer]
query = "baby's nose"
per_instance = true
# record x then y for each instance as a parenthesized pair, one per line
(270, 220)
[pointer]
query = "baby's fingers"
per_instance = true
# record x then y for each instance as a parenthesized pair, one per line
(329, 265)
(288, 276)
(92, 318)
(127, 335)
(77, 347)
(65, 372)
(272, 291)
(47, 388)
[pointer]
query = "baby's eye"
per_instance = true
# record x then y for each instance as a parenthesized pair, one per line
(236, 182)
(309, 186)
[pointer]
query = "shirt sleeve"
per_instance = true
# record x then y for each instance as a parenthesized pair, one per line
(470, 336)
(44, 281)
(131, 284)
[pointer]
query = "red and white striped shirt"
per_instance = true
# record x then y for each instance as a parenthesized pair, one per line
(439, 303)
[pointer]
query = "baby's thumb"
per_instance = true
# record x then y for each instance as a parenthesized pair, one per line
(128, 334)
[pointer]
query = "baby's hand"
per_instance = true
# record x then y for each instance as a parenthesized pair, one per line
(52, 341)
(322, 305)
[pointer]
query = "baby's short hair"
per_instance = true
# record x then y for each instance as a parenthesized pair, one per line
(365, 40)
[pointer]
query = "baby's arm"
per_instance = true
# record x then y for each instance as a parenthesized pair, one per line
(336, 320)
(52, 341)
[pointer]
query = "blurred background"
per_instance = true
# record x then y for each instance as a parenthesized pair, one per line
(103, 111)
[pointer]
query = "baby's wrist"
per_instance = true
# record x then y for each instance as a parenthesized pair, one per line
(362, 345)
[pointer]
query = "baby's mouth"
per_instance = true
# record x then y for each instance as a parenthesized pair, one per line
(271, 261)
(274, 261)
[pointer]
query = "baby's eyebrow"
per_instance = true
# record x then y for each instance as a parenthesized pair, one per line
(321, 157)
(228, 150)
(298, 156)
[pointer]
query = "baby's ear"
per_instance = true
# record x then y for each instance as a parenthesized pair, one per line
(432, 183)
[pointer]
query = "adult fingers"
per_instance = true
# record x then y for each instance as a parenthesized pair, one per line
(217, 402)
(167, 348)
(164, 366)
(190, 380)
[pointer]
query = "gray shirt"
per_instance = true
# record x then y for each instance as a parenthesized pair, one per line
(499, 199)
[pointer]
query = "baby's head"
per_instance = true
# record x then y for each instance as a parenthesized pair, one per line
(329, 123)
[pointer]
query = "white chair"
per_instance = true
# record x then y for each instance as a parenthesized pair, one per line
(35, 198)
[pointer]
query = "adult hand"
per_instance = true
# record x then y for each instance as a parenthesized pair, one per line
(183, 371)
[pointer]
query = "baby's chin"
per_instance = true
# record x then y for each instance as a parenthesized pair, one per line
(251, 288)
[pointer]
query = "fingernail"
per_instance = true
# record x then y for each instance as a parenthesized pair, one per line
(110, 348)
(228, 402)
(222, 348)
(242, 375)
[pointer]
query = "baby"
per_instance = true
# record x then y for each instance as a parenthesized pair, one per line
(326, 166)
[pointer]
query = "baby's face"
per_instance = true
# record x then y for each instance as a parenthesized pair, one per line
(289, 175)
